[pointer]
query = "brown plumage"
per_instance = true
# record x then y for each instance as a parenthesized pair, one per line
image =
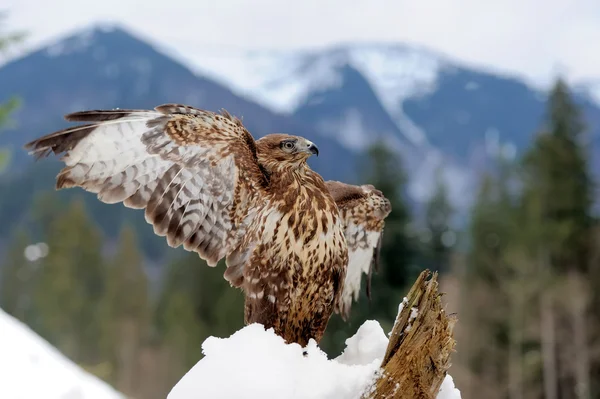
(206, 184)
(362, 210)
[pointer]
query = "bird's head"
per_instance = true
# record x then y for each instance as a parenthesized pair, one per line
(277, 152)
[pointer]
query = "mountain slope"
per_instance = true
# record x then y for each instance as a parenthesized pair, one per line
(31, 368)
(434, 101)
(285, 80)
(438, 113)
(356, 115)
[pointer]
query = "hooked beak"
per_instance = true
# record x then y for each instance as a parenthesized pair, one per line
(312, 148)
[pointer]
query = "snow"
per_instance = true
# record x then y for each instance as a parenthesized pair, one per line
(357, 136)
(368, 344)
(414, 312)
(31, 368)
(74, 44)
(282, 80)
(397, 73)
(400, 308)
(447, 390)
(277, 80)
(82, 41)
(256, 363)
(594, 92)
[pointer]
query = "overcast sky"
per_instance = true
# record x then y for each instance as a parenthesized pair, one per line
(534, 38)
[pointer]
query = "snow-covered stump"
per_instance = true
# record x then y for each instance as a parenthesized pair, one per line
(417, 358)
(255, 363)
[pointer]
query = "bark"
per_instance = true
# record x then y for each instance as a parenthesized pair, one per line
(515, 362)
(548, 334)
(579, 302)
(418, 354)
(127, 357)
(548, 346)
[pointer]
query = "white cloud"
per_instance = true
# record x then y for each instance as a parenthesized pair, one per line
(535, 38)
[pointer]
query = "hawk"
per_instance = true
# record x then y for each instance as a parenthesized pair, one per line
(296, 245)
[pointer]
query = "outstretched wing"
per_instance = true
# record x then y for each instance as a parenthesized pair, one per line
(363, 210)
(194, 172)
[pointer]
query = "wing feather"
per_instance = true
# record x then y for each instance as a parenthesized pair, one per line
(194, 172)
(363, 210)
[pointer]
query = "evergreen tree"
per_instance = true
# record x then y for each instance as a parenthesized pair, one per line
(558, 199)
(491, 340)
(528, 252)
(438, 216)
(70, 286)
(127, 312)
(491, 229)
(559, 185)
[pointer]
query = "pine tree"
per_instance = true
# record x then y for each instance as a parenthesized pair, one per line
(559, 182)
(558, 198)
(483, 304)
(126, 313)
(529, 252)
(498, 307)
(438, 220)
(70, 286)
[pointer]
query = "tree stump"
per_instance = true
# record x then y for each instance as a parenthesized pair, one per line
(418, 354)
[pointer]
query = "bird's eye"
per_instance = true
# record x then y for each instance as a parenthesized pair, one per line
(288, 144)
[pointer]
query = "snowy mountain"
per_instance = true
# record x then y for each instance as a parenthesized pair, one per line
(284, 81)
(437, 112)
(31, 368)
(404, 80)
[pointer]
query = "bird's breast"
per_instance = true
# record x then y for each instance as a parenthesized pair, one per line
(306, 227)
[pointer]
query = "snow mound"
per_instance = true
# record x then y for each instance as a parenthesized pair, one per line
(368, 344)
(32, 368)
(256, 363)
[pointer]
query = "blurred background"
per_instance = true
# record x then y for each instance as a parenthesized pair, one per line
(480, 121)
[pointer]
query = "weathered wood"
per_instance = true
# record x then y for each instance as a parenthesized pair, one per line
(418, 354)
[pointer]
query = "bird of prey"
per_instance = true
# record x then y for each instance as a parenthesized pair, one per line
(296, 245)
